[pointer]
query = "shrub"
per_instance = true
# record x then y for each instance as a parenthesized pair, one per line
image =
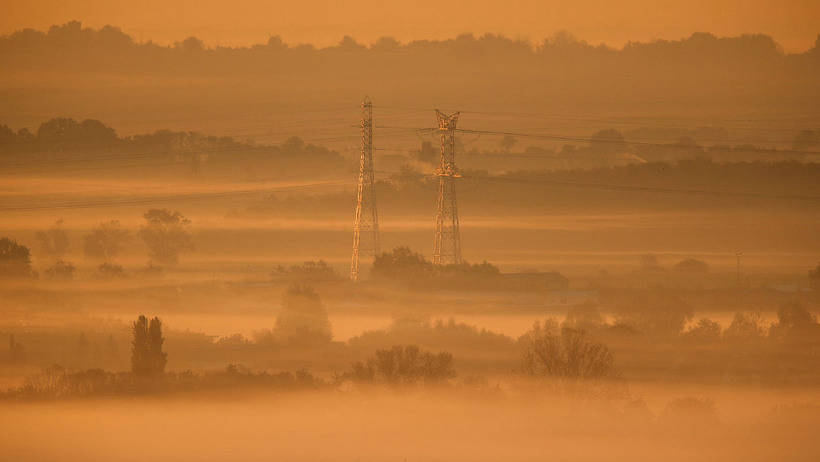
(61, 270)
(111, 271)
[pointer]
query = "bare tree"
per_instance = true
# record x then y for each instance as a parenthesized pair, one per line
(568, 355)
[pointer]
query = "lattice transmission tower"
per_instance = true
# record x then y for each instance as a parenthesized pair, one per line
(447, 247)
(366, 222)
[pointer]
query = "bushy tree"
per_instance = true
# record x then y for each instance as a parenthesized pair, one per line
(404, 365)
(565, 355)
(106, 240)
(15, 260)
(303, 318)
(166, 235)
(401, 263)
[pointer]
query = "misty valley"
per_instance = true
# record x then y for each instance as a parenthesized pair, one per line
(232, 253)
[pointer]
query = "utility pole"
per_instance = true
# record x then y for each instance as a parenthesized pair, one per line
(366, 222)
(447, 247)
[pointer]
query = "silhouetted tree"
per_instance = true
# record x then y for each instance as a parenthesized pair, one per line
(166, 235)
(147, 357)
(401, 263)
(157, 358)
(106, 241)
(140, 363)
(405, 365)
(568, 355)
(15, 260)
(67, 134)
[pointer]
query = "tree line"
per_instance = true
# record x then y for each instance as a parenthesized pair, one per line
(165, 233)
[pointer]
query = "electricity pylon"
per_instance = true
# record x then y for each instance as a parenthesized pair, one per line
(447, 247)
(366, 222)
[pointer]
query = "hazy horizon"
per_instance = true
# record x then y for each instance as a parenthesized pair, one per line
(324, 23)
(459, 231)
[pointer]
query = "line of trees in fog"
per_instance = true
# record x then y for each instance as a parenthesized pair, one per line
(727, 74)
(72, 46)
(166, 235)
(60, 139)
(584, 349)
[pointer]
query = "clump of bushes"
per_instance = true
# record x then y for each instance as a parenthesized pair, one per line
(404, 365)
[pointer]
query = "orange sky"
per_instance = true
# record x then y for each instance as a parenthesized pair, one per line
(793, 23)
